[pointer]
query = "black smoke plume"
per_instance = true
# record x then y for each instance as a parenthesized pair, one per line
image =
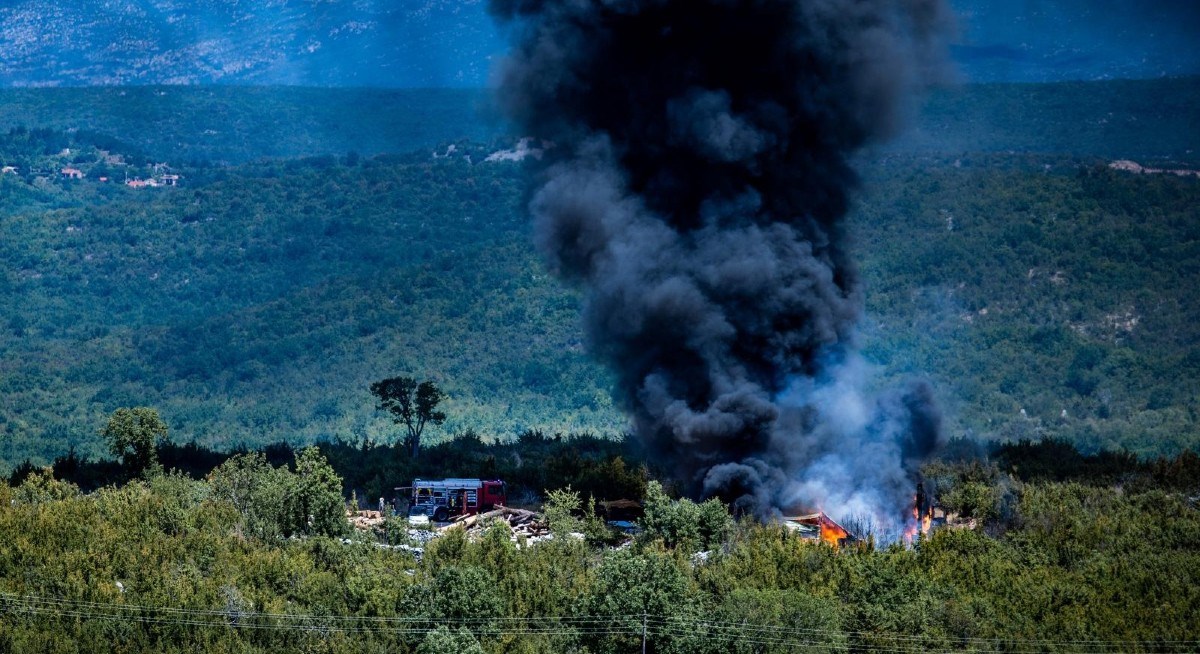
(696, 188)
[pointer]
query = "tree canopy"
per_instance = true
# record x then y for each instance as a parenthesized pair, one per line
(411, 404)
(133, 434)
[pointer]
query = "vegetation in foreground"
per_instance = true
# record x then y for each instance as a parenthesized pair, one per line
(256, 557)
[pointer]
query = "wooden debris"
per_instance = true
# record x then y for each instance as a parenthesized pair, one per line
(365, 520)
(520, 522)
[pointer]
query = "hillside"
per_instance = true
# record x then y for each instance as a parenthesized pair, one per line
(259, 306)
(1117, 119)
(1052, 299)
(440, 43)
(238, 124)
(408, 43)
(1044, 295)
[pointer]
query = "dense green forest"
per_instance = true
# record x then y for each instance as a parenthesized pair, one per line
(256, 304)
(1068, 553)
(1117, 118)
(1052, 298)
(235, 124)
(1045, 294)
(1152, 119)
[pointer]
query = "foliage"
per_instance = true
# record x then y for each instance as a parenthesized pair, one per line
(411, 404)
(166, 566)
(243, 123)
(1037, 296)
(273, 503)
(972, 500)
(258, 492)
(249, 302)
(41, 486)
(684, 523)
(560, 510)
(315, 500)
(1049, 297)
(445, 641)
(240, 123)
(1045, 294)
(133, 435)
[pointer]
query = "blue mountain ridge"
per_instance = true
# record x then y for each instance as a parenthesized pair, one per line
(453, 43)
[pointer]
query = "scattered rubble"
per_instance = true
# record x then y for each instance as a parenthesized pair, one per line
(366, 520)
(524, 527)
(521, 523)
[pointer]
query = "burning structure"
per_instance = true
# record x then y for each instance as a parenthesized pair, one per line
(696, 192)
(819, 526)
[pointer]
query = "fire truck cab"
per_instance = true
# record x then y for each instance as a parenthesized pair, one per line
(442, 499)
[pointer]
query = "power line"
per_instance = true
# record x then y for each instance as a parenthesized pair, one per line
(693, 622)
(602, 625)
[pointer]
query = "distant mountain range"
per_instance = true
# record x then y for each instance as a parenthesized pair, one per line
(452, 43)
(405, 43)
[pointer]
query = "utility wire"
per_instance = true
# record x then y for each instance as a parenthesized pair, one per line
(628, 625)
(694, 622)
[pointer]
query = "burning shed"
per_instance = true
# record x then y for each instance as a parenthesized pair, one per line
(819, 526)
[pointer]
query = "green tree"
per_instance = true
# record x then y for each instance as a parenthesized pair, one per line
(133, 434)
(411, 404)
(41, 486)
(973, 499)
(257, 491)
(684, 523)
(628, 586)
(316, 499)
(444, 641)
(560, 508)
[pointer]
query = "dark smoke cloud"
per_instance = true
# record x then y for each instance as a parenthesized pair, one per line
(696, 191)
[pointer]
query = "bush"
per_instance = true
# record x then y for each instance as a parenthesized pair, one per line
(684, 523)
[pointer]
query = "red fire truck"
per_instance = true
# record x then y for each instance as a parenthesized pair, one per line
(442, 499)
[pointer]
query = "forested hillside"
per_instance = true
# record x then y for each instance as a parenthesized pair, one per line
(1045, 295)
(235, 124)
(1119, 119)
(1116, 118)
(258, 303)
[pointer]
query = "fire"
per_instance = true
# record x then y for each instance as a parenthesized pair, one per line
(920, 523)
(821, 526)
(831, 532)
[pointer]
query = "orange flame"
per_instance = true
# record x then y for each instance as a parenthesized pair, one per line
(832, 533)
(827, 531)
(920, 524)
(910, 529)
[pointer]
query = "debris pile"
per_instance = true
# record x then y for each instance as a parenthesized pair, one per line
(522, 523)
(365, 520)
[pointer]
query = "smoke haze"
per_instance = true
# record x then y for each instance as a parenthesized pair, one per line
(696, 190)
